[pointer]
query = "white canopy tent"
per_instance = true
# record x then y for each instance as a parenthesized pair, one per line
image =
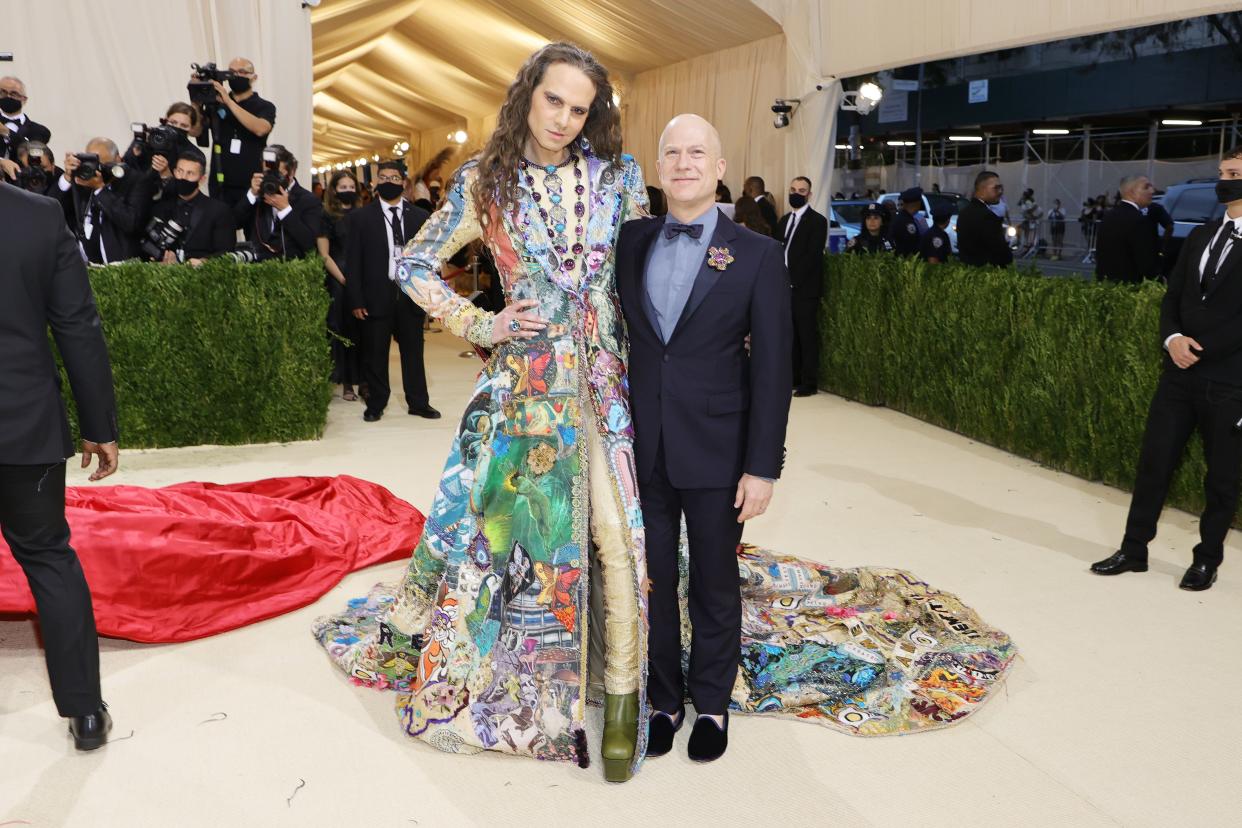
(386, 71)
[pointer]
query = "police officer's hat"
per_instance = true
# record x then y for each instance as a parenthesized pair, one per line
(941, 213)
(873, 209)
(912, 194)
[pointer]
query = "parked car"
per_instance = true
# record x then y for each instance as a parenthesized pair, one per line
(1190, 204)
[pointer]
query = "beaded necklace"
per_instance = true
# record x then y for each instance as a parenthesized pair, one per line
(555, 216)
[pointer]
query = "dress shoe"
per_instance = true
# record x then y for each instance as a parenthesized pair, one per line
(1119, 562)
(620, 734)
(91, 731)
(425, 411)
(708, 740)
(806, 392)
(372, 416)
(1199, 577)
(661, 730)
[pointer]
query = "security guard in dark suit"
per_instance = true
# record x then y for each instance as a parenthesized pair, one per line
(906, 232)
(871, 239)
(935, 247)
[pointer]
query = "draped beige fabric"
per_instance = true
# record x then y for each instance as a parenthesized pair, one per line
(394, 70)
(93, 68)
(732, 88)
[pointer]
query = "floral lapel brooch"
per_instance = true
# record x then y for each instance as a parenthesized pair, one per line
(719, 257)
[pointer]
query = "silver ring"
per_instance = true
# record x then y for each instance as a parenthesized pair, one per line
(515, 326)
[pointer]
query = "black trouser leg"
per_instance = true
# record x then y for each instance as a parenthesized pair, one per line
(1170, 422)
(661, 506)
(1219, 408)
(806, 343)
(377, 334)
(715, 596)
(32, 519)
(410, 319)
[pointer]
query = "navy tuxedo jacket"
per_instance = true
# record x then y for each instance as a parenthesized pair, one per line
(720, 411)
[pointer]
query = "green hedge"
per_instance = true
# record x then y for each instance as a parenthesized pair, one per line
(1061, 371)
(222, 354)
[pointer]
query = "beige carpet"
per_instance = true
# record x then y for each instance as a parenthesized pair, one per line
(1120, 710)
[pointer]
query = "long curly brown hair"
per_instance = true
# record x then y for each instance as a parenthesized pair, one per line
(497, 181)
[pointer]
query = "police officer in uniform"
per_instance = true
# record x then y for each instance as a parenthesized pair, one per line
(871, 239)
(906, 230)
(935, 248)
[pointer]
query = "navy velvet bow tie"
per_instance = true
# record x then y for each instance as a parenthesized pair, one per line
(694, 231)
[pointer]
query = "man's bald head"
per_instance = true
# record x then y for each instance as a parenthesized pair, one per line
(689, 165)
(694, 128)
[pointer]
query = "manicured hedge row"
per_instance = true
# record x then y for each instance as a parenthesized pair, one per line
(224, 354)
(1057, 370)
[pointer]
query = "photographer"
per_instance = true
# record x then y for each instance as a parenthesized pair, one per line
(155, 150)
(239, 122)
(280, 218)
(15, 127)
(33, 170)
(207, 223)
(104, 204)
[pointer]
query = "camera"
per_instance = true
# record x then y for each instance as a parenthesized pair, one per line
(201, 91)
(273, 181)
(244, 254)
(783, 109)
(33, 179)
(89, 165)
(161, 139)
(160, 235)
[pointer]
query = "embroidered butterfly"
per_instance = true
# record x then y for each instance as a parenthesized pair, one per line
(529, 373)
(556, 585)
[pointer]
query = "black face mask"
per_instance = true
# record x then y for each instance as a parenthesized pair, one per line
(347, 197)
(389, 190)
(796, 200)
(185, 187)
(10, 106)
(239, 85)
(1228, 189)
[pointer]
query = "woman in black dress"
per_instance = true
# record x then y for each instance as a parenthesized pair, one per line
(339, 200)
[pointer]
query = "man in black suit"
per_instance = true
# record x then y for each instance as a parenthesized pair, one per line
(1126, 247)
(284, 224)
(804, 235)
(709, 418)
(15, 127)
(377, 235)
(980, 232)
(44, 284)
(108, 210)
(754, 188)
(208, 222)
(1200, 388)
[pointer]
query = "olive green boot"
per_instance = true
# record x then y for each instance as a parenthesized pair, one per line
(620, 735)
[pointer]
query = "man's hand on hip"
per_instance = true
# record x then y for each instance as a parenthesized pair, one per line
(753, 496)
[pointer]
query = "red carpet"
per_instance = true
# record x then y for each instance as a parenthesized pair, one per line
(196, 559)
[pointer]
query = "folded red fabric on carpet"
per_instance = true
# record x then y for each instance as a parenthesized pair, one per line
(196, 559)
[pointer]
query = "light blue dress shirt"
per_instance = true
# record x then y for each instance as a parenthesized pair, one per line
(672, 267)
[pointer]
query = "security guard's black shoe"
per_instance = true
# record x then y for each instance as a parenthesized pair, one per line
(1119, 562)
(1199, 577)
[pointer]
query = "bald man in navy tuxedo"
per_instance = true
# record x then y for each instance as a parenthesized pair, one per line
(709, 419)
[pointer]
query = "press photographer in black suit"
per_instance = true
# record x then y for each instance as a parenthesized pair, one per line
(44, 285)
(377, 234)
(1126, 248)
(107, 210)
(280, 217)
(1200, 388)
(209, 223)
(235, 128)
(15, 126)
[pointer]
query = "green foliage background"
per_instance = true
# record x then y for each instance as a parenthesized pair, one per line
(222, 354)
(1061, 371)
